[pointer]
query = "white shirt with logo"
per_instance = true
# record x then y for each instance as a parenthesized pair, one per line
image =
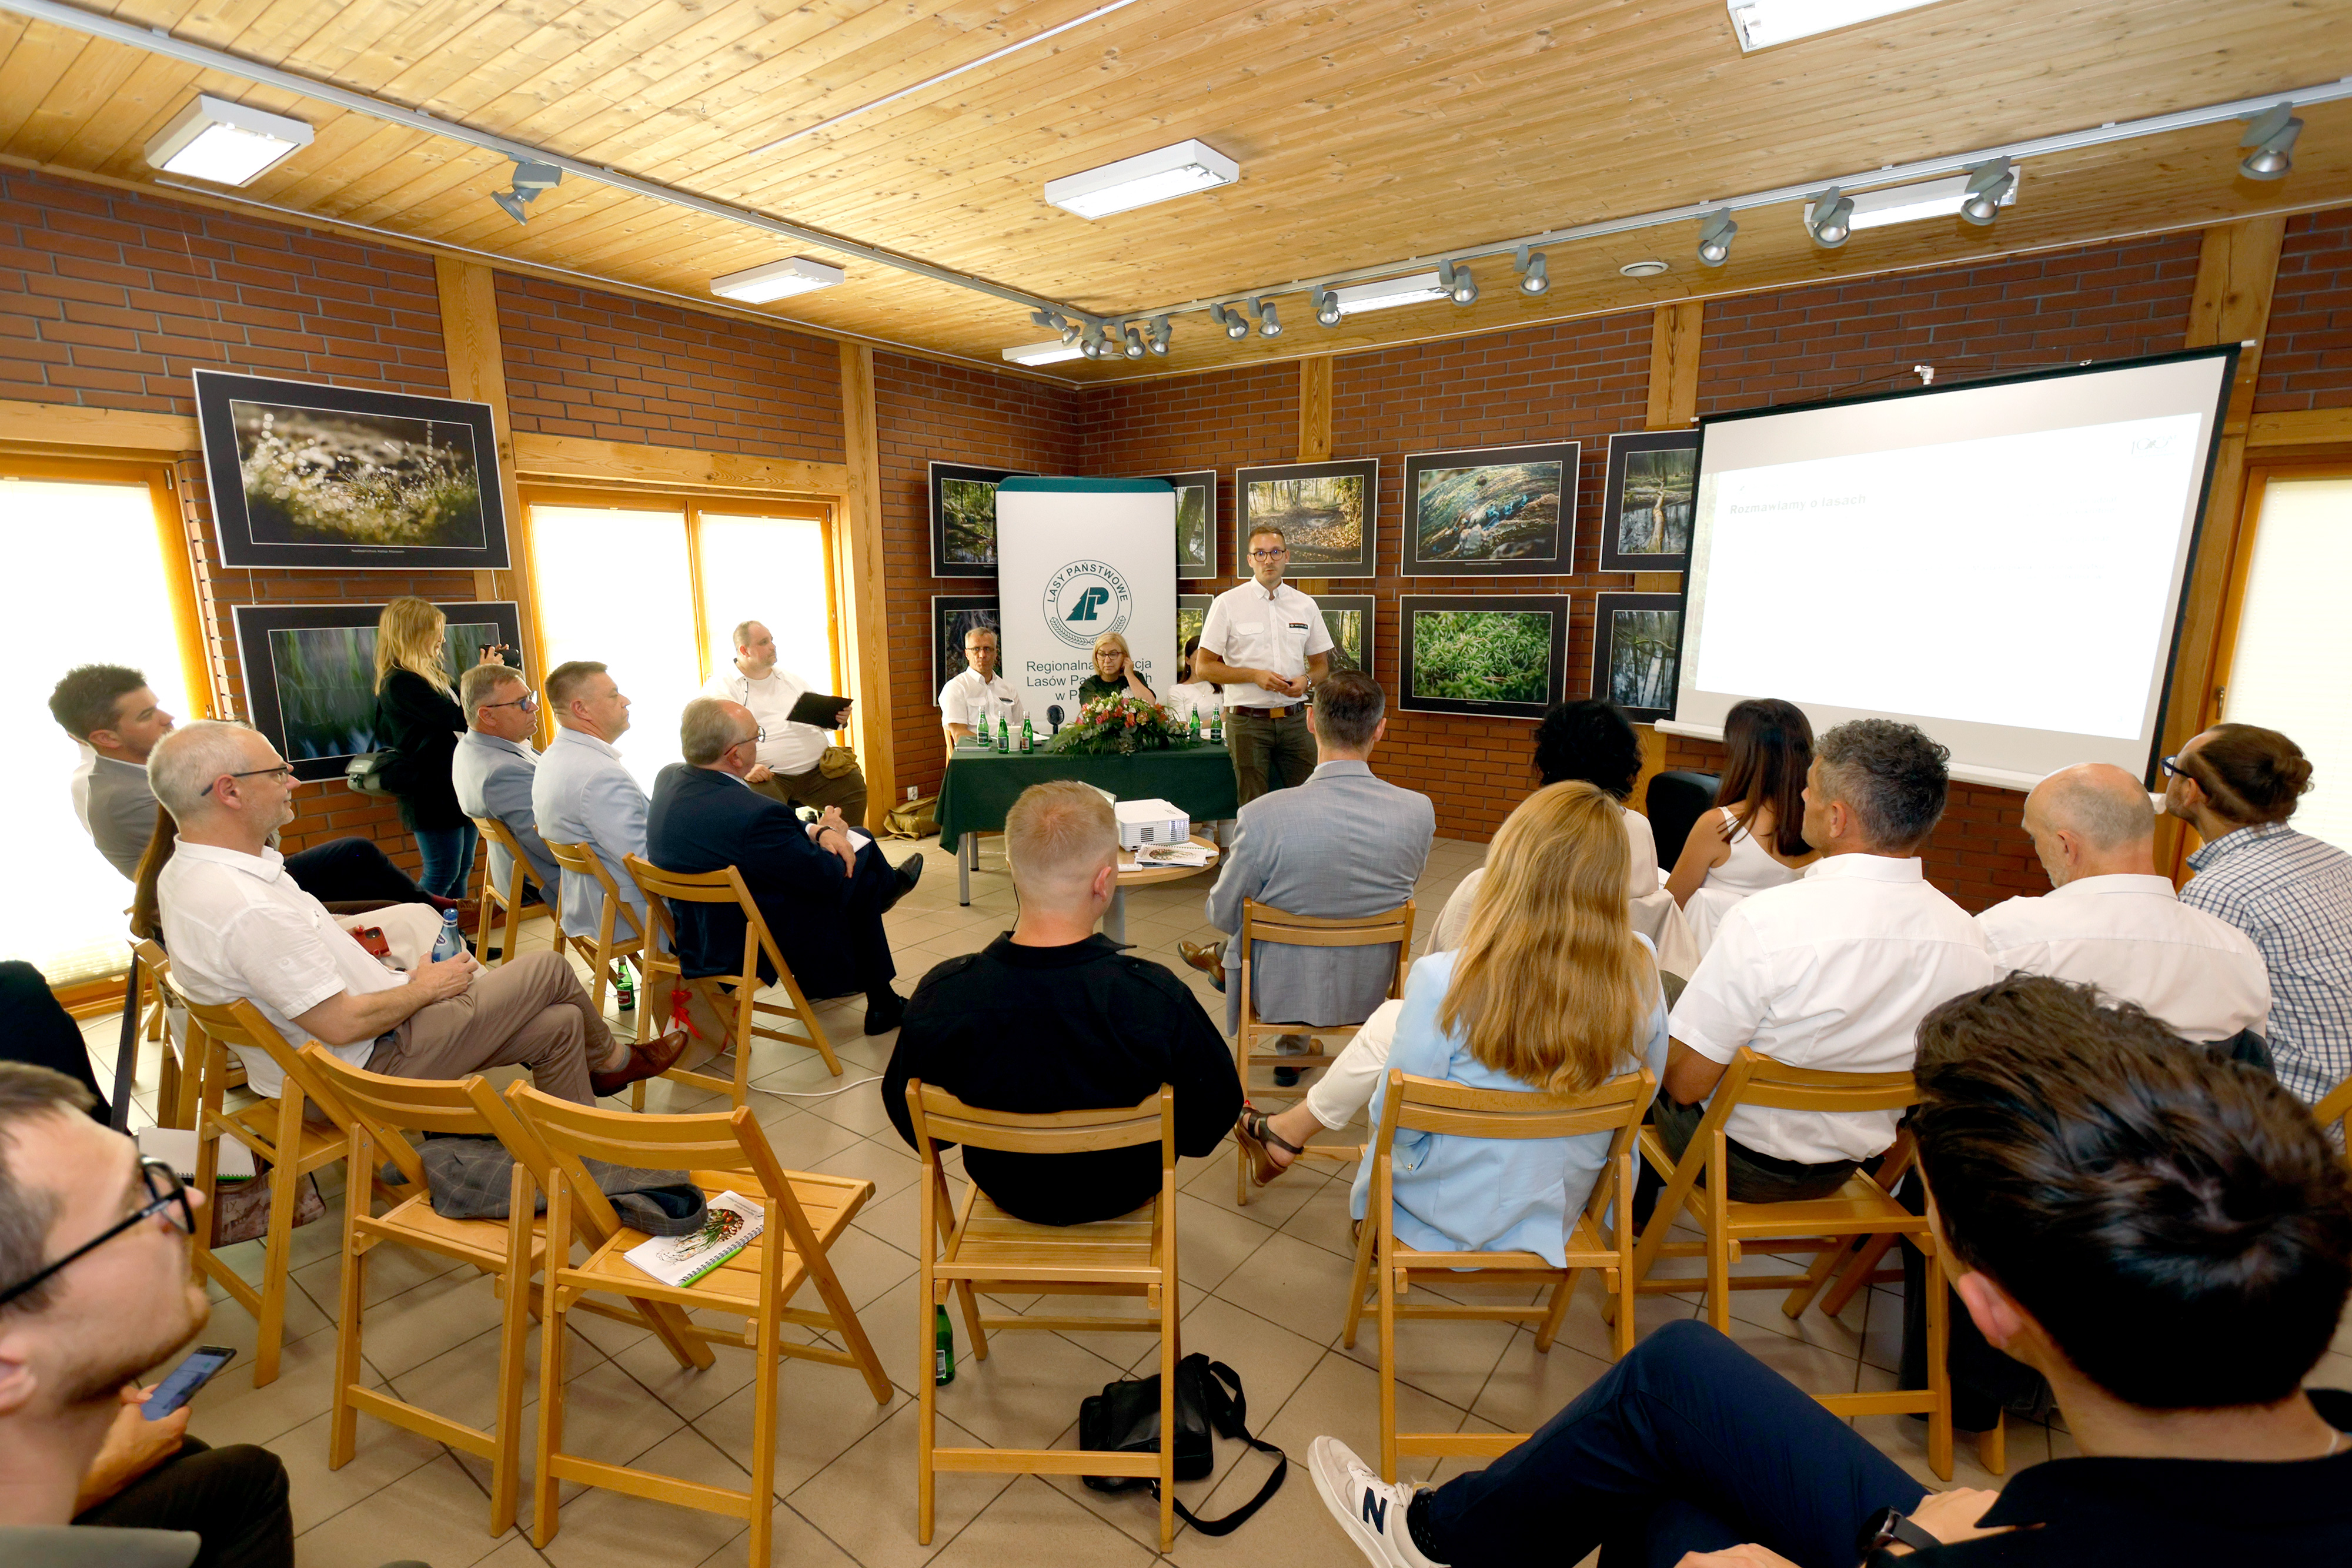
(790, 748)
(1251, 629)
(968, 700)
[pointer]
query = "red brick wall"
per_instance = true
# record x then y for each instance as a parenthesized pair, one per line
(2307, 354)
(580, 361)
(924, 412)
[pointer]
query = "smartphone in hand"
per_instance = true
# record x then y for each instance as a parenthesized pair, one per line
(191, 1374)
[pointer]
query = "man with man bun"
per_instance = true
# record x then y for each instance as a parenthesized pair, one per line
(2113, 922)
(2237, 784)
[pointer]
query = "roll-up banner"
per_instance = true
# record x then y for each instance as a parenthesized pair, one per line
(1077, 559)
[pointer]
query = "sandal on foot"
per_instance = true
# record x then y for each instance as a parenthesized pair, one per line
(1257, 1138)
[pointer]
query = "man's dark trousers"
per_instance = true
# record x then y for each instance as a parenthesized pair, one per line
(1269, 753)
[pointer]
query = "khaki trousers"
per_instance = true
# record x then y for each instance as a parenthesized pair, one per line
(530, 1010)
(813, 788)
(1269, 753)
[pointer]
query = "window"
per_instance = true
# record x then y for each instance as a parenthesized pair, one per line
(2292, 641)
(654, 586)
(102, 573)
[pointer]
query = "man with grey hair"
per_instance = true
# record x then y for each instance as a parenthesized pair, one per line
(237, 926)
(1052, 1017)
(2113, 922)
(1832, 971)
(495, 766)
(796, 763)
(822, 887)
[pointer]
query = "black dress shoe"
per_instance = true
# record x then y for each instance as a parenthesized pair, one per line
(884, 1011)
(909, 873)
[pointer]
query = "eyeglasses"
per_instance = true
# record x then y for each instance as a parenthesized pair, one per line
(165, 1195)
(528, 702)
(284, 770)
(1274, 554)
(2173, 765)
(757, 737)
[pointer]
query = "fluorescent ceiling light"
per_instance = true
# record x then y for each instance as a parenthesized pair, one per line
(1143, 180)
(224, 142)
(1411, 289)
(759, 284)
(1909, 203)
(1052, 353)
(1760, 23)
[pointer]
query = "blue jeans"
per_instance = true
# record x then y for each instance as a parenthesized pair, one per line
(1688, 1444)
(449, 859)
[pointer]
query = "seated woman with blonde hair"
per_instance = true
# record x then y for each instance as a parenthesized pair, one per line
(1114, 673)
(1551, 989)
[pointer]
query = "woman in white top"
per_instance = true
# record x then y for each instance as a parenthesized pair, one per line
(1755, 838)
(1190, 697)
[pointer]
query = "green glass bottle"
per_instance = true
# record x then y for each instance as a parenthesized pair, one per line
(942, 1346)
(1004, 733)
(1196, 723)
(1217, 725)
(1028, 735)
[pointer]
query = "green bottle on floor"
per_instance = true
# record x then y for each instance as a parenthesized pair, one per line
(943, 1347)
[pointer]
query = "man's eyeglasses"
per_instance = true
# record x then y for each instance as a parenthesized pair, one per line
(165, 1195)
(1274, 554)
(2173, 765)
(282, 771)
(757, 737)
(528, 702)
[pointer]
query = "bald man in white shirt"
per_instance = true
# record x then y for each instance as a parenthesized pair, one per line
(2113, 921)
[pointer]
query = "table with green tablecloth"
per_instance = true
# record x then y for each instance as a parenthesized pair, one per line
(981, 786)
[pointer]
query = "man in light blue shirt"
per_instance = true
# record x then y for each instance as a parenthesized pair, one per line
(494, 767)
(581, 794)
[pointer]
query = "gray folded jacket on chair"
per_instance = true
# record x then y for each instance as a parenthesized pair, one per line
(470, 1178)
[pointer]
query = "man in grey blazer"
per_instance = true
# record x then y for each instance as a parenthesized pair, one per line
(1341, 845)
(495, 768)
(581, 794)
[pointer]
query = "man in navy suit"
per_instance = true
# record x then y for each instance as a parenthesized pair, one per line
(822, 891)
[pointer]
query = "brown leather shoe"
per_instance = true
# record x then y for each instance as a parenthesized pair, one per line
(646, 1061)
(1209, 958)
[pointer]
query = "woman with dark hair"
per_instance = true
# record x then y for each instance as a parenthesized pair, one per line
(1757, 837)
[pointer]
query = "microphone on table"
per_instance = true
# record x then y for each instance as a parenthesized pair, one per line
(1053, 717)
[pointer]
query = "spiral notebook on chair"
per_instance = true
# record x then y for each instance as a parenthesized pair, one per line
(176, 1147)
(734, 1223)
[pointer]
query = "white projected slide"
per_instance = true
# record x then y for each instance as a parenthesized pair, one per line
(1999, 564)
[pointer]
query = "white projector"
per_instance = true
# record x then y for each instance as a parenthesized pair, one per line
(1143, 822)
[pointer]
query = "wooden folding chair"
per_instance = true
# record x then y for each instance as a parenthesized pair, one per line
(275, 1131)
(179, 1084)
(1826, 1225)
(736, 995)
(2334, 1112)
(384, 1112)
(1264, 923)
(1602, 1238)
(606, 945)
(508, 898)
(982, 1246)
(805, 1215)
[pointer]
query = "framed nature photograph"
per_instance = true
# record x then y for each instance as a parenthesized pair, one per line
(309, 673)
(1496, 511)
(1504, 656)
(1349, 618)
(1192, 615)
(1645, 502)
(963, 518)
(1637, 646)
(1196, 523)
(342, 478)
(952, 615)
(1325, 511)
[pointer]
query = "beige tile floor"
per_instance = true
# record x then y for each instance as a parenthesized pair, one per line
(1265, 1289)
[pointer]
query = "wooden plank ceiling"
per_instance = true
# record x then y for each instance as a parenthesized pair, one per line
(1367, 132)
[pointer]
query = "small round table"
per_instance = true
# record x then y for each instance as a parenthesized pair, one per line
(1132, 875)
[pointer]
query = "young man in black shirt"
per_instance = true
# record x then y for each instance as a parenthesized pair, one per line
(2164, 1234)
(1051, 1017)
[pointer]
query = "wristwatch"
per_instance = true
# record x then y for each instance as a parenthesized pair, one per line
(1888, 1527)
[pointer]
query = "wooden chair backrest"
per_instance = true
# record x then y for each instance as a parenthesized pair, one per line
(940, 1116)
(2335, 1111)
(1755, 1080)
(463, 1107)
(1265, 923)
(725, 885)
(495, 832)
(582, 860)
(153, 962)
(240, 1024)
(1437, 1105)
(722, 1143)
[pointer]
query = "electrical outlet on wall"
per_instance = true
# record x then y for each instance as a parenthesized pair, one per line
(910, 791)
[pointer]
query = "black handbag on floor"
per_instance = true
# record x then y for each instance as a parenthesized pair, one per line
(1125, 1418)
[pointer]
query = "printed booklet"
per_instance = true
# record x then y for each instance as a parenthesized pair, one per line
(733, 1225)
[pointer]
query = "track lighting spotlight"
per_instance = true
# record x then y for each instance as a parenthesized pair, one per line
(529, 179)
(1535, 276)
(1988, 183)
(1716, 232)
(1269, 325)
(1326, 306)
(511, 202)
(1455, 276)
(1157, 338)
(1231, 319)
(1135, 349)
(1829, 218)
(2271, 136)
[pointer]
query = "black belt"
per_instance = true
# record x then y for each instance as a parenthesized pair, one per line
(1268, 712)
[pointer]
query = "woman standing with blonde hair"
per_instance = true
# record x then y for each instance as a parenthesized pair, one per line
(417, 722)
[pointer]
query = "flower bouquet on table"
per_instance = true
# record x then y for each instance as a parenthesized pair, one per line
(1121, 726)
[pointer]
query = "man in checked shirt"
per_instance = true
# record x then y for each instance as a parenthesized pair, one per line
(2237, 784)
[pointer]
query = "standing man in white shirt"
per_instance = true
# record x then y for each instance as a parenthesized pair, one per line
(1832, 971)
(789, 767)
(1265, 644)
(2113, 921)
(975, 699)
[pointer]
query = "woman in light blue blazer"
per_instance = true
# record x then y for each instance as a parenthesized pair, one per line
(1551, 989)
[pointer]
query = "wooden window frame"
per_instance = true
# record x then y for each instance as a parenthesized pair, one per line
(2260, 473)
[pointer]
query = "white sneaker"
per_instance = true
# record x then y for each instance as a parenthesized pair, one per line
(1370, 1510)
